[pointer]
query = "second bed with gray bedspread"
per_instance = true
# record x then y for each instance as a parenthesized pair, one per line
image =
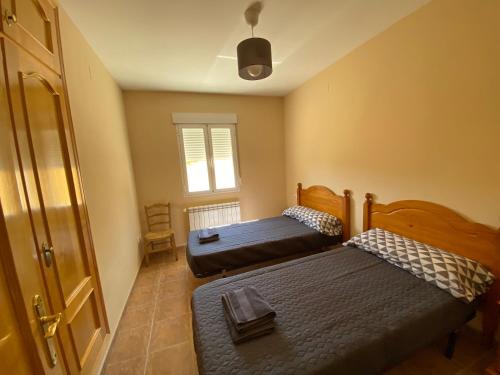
(343, 311)
(244, 244)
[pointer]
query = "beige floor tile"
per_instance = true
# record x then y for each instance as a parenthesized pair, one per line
(171, 267)
(172, 290)
(137, 315)
(143, 294)
(194, 282)
(430, 361)
(480, 364)
(172, 275)
(146, 279)
(134, 366)
(161, 257)
(469, 347)
(171, 308)
(129, 344)
(170, 332)
(174, 360)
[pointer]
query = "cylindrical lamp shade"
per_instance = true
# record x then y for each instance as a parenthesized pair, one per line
(254, 59)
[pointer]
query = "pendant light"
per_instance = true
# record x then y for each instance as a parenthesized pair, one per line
(254, 54)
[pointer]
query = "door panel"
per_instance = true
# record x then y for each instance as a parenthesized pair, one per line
(82, 338)
(44, 140)
(32, 24)
(13, 356)
(42, 108)
(33, 18)
(16, 233)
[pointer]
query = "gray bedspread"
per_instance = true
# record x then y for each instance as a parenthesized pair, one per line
(244, 244)
(343, 311)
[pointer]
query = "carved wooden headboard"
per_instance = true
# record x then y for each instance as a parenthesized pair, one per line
(442, 227)
(323, 199)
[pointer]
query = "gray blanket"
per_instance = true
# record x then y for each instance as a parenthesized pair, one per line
(343, 311)
(241, 245)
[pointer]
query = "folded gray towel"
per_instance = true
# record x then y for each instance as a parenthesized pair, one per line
(207, 235)
(247, 309)
(240, 337)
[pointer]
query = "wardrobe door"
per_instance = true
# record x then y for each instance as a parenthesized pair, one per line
(23, 347)
(32, 24)
(44, 138)
(13, 356)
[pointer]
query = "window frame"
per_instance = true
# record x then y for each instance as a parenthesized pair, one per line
(209, 157)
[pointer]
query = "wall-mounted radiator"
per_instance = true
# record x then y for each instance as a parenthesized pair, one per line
(213, 215)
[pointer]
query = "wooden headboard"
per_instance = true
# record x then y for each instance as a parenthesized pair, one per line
(323, 199)
(442, 227)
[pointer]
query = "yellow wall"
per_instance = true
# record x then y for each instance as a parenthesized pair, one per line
(412, 114)
(102, 142)
(153, 143)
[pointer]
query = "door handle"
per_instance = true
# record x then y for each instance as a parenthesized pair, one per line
(50, 322)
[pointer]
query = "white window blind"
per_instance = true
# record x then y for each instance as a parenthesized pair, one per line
(195, 159)
(222, 151)
(209, 158)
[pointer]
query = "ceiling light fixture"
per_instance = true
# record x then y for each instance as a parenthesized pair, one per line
(254, 54)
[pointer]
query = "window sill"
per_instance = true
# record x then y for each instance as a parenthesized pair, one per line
(209, 193)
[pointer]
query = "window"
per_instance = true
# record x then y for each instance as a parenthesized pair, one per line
(209, 158)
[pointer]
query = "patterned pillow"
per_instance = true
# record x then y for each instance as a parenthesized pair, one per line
(462, 277)
(321, 221)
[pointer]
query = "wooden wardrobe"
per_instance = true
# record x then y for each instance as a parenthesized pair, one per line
(53, 319)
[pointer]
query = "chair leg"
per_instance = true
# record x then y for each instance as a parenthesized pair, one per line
(146, 252)
(174, 248)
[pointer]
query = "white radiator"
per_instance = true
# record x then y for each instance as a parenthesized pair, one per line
(213, 215)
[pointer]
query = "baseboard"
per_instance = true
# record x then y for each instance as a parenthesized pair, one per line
(109, 339)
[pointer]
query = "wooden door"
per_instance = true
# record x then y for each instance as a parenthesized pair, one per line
(23, 348)
(33, 25)
(13, 356)
(54, 199)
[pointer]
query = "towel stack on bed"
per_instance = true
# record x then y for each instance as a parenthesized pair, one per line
(248, 315)
(207, 235)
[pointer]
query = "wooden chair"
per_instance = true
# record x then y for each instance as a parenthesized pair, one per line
(159, 222)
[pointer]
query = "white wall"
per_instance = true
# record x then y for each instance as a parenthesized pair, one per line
(106, 167)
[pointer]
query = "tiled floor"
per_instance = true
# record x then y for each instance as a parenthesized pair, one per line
(155, 334)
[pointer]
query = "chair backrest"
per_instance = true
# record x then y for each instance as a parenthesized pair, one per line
(158, 217)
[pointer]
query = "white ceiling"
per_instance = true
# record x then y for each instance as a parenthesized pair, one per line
(190, 45)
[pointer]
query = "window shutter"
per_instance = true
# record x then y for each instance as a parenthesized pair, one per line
(222, 151)
(196, 159)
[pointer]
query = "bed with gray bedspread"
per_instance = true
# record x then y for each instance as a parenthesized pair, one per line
(244, 244)
(343, 311)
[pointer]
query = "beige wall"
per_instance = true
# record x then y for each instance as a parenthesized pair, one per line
(155, 153)
(102, 143)
(413, 113)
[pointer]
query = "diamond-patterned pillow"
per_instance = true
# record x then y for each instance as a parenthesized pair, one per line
(462, 277)
(321, 221)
